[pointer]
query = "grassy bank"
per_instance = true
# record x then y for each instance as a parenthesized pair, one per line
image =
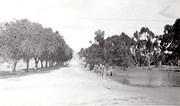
(5, 70)
(142, 76)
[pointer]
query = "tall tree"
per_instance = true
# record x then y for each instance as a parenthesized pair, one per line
(144, 44)
(170, 41)
(11, 38)
(117, 50)
(99, 38)
(22, 39)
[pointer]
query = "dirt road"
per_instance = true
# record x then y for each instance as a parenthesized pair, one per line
(75, 86)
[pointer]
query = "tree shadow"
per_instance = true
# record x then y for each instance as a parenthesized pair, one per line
(31, 71)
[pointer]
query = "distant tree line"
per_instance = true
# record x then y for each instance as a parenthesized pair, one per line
(22, 39)
(144, 48)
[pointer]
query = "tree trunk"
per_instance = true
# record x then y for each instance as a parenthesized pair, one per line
(36, 63)
(27, 65)
(14, 65)
(46, 64)
(148, 60)
(42, 64)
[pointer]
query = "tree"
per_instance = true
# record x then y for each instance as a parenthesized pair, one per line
(22, 39)
(37, 42)
(170, 41)
(144, 45)
(176, 39)
(117, 50)
(99, 38)
(27, 42)
(95, 53)
(11, 38)
(114, 50)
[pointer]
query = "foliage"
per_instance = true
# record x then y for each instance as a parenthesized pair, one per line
(170, 42)
(22, 39)
(117, 50)
(112, 50)
(143, 49)
(145, 46)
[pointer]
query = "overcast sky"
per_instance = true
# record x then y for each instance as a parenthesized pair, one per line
(77, 20)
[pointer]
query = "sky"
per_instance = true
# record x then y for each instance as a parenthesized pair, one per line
(77, 20)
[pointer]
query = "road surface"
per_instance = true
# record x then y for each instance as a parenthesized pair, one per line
(75, 86)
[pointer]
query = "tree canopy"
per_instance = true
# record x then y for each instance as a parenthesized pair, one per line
(22, 39)
(145, 48)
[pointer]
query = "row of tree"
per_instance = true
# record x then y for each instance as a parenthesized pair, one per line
(143, 49)
(22, 39)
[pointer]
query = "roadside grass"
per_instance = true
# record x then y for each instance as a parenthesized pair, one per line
(21, 72)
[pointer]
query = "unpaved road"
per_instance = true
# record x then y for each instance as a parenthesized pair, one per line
(75, 86)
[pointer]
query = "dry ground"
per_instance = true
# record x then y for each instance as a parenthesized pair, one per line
(75, 86)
